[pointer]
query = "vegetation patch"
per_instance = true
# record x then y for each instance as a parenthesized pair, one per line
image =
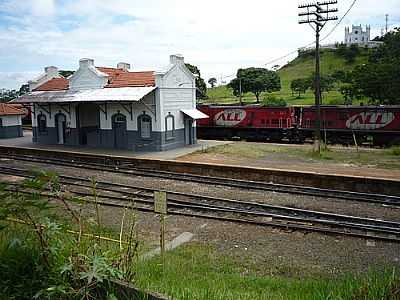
(200, 272)
(386, 159)
(44, 257)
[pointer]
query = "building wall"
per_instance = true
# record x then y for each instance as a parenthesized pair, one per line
(11, 120)
(11, 126)
(54, 109)
(175, 91)
(357, 35)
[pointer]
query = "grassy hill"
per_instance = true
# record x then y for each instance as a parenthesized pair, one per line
(298, 68)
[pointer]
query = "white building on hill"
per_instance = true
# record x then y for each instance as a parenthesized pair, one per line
(357, 35)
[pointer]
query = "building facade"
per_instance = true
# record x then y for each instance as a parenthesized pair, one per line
(106, 107)
(357, 35)
(10, 121)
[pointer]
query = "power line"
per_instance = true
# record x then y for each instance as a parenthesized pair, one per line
(312, 43)
(308, 45)
(340, 21)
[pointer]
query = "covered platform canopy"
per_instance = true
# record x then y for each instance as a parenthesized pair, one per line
(92, 95)
(195, 114)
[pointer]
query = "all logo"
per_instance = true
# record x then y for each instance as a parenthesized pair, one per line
(229, 117)
(370, 120)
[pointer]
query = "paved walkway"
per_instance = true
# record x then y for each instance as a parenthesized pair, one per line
(26, 141)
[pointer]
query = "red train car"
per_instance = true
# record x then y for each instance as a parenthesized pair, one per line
(344, 124)
(251, 122)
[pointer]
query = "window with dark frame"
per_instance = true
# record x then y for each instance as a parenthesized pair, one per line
(169, 127)
(1, 122)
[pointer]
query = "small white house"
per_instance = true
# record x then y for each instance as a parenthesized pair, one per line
(10, 121)
(115, 107)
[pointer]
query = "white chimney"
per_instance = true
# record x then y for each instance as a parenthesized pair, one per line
(51, 70)
(123, 66)
(176, 59)
(86, 62)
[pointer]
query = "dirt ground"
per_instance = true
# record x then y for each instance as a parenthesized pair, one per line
(289, 160)
(268, 250)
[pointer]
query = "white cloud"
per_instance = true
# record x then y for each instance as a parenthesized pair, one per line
(218, 36)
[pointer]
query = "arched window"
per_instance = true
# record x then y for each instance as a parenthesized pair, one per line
(42, 124)
(169, 127)
(144, 122)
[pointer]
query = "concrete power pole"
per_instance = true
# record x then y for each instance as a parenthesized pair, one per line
(317, 13)
(387, 21)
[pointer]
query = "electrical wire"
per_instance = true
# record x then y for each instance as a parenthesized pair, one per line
(308, 45)
(340, 21)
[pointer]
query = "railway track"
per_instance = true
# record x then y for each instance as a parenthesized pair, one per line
(121, 195)
(227, 182)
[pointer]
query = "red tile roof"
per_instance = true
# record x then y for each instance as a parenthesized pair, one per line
(132, 79)
(55, 84)
(7, 109)
(117, 78)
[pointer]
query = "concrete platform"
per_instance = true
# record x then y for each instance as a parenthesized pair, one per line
(26, 141)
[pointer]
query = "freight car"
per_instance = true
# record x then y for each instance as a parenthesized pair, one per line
(379, 125)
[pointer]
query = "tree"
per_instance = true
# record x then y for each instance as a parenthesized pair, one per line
(327, 83)
(379, 79)
(212, 81)
(351, 53)
(272, 101)
(201, 87)
(66, 73)
(348, 53)
(300, 86)
(256, 81)
(8, 95)
(349, 92)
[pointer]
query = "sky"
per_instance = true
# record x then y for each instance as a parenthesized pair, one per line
(217, 36)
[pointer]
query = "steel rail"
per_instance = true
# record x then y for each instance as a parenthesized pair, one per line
(393, 231)
(253, 185)
(200, 199)
(365, 233)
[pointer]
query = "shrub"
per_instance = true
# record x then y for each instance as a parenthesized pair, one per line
(395, 150)
(271, 100)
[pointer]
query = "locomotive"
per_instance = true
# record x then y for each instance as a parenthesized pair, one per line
(378, 125)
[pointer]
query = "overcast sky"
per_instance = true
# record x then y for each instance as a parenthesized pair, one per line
(217, 36)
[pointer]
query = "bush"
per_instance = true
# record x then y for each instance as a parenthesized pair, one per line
(336, 101)
(271, 100)
(395, 150)
(39, 261)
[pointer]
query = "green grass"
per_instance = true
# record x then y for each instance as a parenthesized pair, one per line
(298, 68)
(199, 272)
(386, 159)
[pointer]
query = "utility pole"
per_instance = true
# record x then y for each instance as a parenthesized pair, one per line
(387, 21)
(240, 91)
(317, 13)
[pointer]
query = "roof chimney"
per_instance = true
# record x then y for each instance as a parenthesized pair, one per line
(123, 66)
(51, 70)
(176, 58)
(86, 62)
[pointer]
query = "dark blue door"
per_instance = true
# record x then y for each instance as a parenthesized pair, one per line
(119, 131)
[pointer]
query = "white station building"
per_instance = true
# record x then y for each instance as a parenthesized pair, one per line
(115, 107)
